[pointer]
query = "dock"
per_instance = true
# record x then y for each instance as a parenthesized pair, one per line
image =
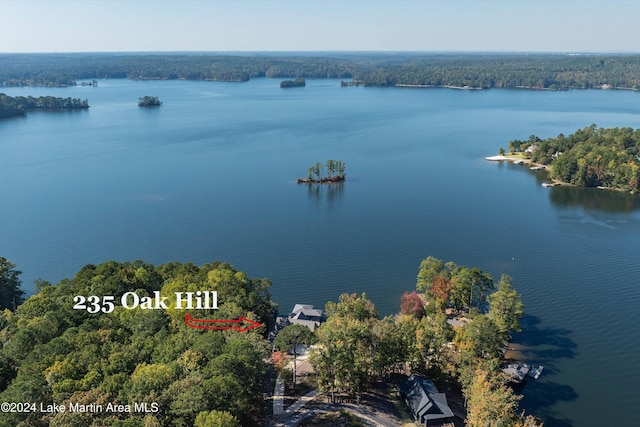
(519, 372)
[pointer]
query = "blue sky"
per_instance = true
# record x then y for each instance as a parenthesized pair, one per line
(307, 25)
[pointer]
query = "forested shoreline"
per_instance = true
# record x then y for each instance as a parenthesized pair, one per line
(590, 157)
(54, 353)
(531, 71)
(355, 346)
(11, 106)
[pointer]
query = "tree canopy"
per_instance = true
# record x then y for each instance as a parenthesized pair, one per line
(590, 157)
(149, 101)
(290, 338)
(53, 353)
(355, 347)
(18, 105)
(454, 285)
(10, 292)
(316, 174)
(471, 350)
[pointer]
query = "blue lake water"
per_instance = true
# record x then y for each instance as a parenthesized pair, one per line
(211, 174)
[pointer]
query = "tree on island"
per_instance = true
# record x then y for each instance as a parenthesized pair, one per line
(315, 170)
(299, 82)
(149, 101)
(335, 167)
(315, 174)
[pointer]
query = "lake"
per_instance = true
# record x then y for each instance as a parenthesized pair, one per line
(211, 175)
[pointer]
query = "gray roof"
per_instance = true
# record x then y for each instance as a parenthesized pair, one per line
(304, 310)
(424, 399)
(304, 314)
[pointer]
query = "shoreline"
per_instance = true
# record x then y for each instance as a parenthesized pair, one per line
(518, 161)
(539, 166)
(326, 180)
(421, 86)
(532, 166)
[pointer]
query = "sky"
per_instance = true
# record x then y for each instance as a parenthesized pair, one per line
(320, 25)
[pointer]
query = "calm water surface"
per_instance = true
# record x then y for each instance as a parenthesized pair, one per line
(210, 175)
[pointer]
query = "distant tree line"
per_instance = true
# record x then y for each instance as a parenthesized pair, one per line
(533, 71)
(18, 105)
(589, 157)
(64, 70)
(553, 72)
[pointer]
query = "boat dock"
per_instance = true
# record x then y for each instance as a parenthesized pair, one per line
(519, 372)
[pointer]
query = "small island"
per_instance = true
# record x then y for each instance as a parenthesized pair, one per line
(299, 82)
(590, 157)
(149, 101)
(335, 173)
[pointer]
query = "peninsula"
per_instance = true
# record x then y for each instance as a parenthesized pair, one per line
(590, 157)
(20, 105)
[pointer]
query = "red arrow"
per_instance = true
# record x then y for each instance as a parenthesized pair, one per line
(219, 324)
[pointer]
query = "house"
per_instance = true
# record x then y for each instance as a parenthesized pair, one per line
(428, 406)
(303, 314)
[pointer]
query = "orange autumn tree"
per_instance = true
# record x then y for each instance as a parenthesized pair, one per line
(440, 289)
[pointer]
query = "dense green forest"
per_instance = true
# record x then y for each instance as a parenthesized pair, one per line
(535, 71)
(11, 295)
(51, 353)
(65, 69)
(18, 105)
(590, 157)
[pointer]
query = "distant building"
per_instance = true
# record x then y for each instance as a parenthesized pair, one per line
(428, 406)
(303, 314)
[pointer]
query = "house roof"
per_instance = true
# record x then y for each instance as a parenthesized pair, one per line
(424, 399)
(305, 314)
(306, 310)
